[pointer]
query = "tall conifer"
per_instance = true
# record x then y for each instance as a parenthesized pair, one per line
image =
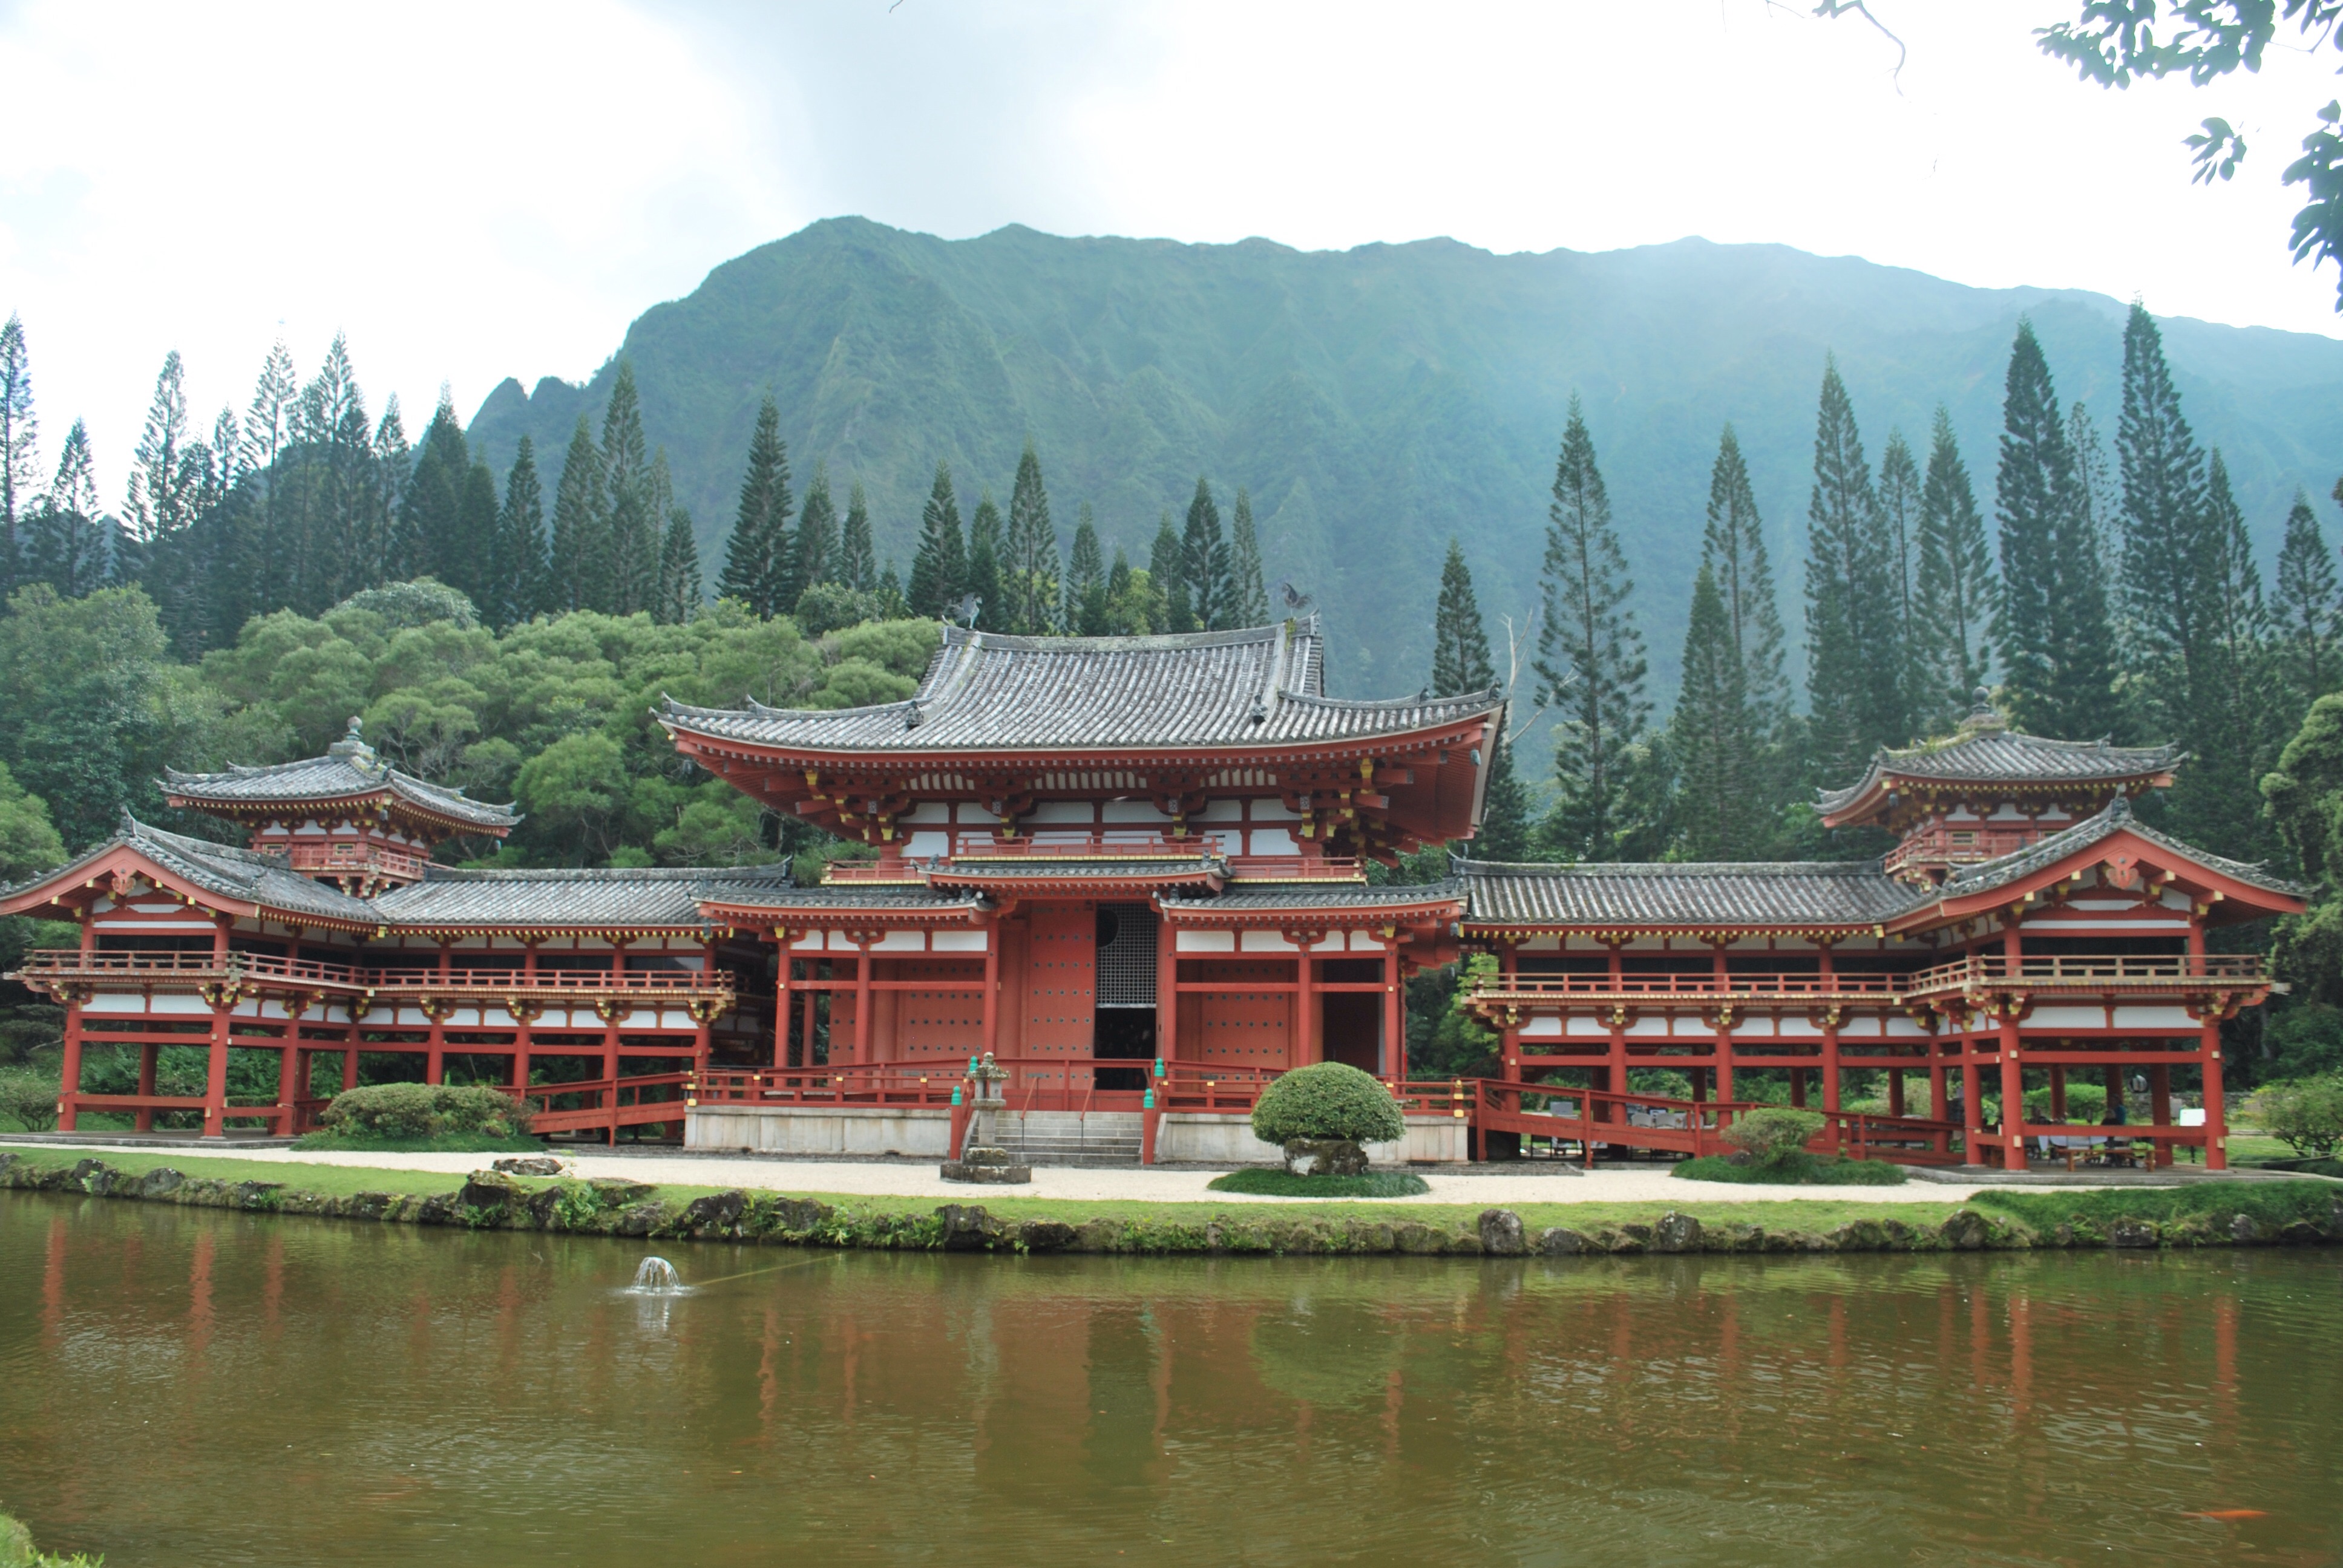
(1732, 546)
(1166, 578)
(1460, 642)
(581, 522)
(2167, 532)
(817, 554)
(521, 568)
(2306, 606)
(1591, 663)
(940, 567)
(2056, 642)
(1899, 539)
(752, 559)
(475, 515)
(1204, 567)
(857, 561)
(626, 574)
(1852, 663)
(20, 461)
(1244, 547)
(985, 546)
(678, 584)
(1086, 581)
(1720, 799)
(1028, 567)
(67, 544)
(1956, 592)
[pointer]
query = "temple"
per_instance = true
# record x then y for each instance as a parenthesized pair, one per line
(1137, 871)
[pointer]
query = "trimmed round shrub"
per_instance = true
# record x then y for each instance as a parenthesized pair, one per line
(1772, 1134)
(1327, 1099)
(423, 1109)
(2306, 1114)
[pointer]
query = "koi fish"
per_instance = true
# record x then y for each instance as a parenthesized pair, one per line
(2231, 1515)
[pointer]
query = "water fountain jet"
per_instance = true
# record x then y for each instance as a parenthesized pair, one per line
(657, 1276)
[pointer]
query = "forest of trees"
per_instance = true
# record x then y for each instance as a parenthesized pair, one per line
(295, 566)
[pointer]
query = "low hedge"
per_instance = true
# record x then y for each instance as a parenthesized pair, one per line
(1265, 1183)
(386, 1115)
(1327, 1099)
(1792, 1169)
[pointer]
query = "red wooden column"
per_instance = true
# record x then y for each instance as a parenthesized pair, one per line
(785, 1004)
(1830, 1038)
(434, 1065)
(614, 1009)
(2216, 1119)
(215, 1077)
(992, 934)
(1724, 1045)
(1509, 972)
(1167, 991)
(1394, 1012)
(69, 1075)
(1618, 1029)
(862, 941)
(2013, 1071)
(1305, 1001)
(2159, 1106)
(289, 1077)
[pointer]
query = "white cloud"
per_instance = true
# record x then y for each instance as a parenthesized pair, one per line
(477, 191)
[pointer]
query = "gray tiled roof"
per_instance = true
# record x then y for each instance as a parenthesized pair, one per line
(333, 777)
(1754, 893)
(1996, 755)
(842, 896)
(984, 691)
(660, 896)
(1242, 896)
(230, 872)
(1084, 870)
(1987, 875)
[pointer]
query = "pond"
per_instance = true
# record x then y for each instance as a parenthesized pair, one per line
(192, 1387)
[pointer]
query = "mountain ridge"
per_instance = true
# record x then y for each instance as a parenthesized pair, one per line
(1379, 399)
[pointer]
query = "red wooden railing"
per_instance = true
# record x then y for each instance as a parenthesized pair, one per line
(2175, 971)
(1692, 1127)
(2086, 971)
(1944, 846)
(150, 964)
(354, 856)
(616, 1102)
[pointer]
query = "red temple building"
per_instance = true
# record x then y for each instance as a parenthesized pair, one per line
(1136, 871)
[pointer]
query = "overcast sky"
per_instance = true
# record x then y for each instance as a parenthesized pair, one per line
(473, 191)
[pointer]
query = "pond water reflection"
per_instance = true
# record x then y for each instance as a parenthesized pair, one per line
(187, 1387)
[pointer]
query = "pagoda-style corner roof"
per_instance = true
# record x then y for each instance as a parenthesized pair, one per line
(238, 881)
(1799, 894)
(451, 898)
(345, 774)
(1259, 687)
(1987, 756)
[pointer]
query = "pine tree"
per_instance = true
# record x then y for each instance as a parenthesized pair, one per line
(521, 570)
(434, 511)
(1167, 578)
(625, 578)
(1956, 591)
(2308, 603)
(753, 572)
(892, 605)
(379, 532)
(1251, 607)
(1852, 663)
(1899, 516)
(1506, 826)
(985, 545)
(20, 432)
(1720, 804)
(817, 552)
(1030, 572)
(581, 523)
(1086, 580)
(1204, 566)
(2236, 733)
(1732, 546)
(2170, 539)
(2095, 494)
(2055, 637)
(161, 484)
(857, 566)
(67, 542)
(1590, 662)
(1460, 642)
(679, 585)
(939, 566)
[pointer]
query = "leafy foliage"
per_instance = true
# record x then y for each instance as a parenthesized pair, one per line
(416, 1110)
(1327, 1099)
(1772, 1134)
(2306, 1114)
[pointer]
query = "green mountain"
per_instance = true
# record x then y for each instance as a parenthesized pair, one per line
(1377, 400)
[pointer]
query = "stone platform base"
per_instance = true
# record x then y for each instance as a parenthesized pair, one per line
(992, 1175)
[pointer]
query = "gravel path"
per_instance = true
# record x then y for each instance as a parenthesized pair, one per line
(877, 1178)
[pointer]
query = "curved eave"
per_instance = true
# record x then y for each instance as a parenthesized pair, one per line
(1040, 884)
(798, 755)
(1626, 930)
(826, 916)
(1202, 914)
(1872, 798)
(84, 874)
(399, 806)
(2225, 898)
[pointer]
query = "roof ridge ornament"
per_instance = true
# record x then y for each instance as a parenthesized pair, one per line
(352, 749)
(1983, 718)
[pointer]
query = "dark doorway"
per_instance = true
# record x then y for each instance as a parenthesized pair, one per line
(1125, 1034)
(1353, 1024)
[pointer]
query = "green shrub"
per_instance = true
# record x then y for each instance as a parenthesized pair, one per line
(415, 1110)
(29, 1099)
(2085, 1103)
(1794, 1169)
(1773, 1134)
(2306, 1114)
(2272, 1204)
(1327, 1099)
(1261, 1181)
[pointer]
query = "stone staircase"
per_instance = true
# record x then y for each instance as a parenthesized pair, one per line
(1071, 1137)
